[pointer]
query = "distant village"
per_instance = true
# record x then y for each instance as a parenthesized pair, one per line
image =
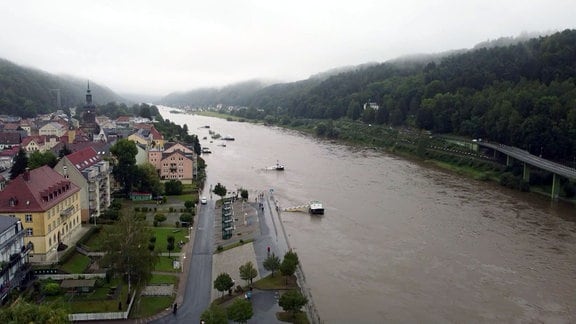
(42, 209)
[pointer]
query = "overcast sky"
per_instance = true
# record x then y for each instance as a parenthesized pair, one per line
(156, 47)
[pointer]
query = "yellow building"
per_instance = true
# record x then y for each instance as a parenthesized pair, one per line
(48, 205)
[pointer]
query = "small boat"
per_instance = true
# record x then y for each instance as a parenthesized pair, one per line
(278, 167)
(316, 208)
(227, 138)
(206, 150)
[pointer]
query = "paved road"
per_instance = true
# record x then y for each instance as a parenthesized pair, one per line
(199, 281)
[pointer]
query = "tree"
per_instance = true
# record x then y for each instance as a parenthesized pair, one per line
(23, 312)
(223, 282)
(170, 246)
(188, 204)
(147, 179)
(248, 272)
(187, 218)
(292, 257)
(220, 190)
(20, 164)
(244, 194)
(292, 301)
(125, 247)
(214, 315)
(240, 311)
(287, 268)
(173, 187)
(38, 159)
(125, 168)
(272, 263)
(159, 218)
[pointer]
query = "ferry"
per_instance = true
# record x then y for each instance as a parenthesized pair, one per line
(316, 208)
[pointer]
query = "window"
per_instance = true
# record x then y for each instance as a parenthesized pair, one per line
(28, 218)
(49, 227)
(29, 232)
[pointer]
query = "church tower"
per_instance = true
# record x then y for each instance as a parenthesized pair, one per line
(88, 123)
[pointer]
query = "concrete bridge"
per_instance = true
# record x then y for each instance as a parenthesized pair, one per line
(530, 160)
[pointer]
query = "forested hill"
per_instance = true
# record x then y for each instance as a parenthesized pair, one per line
(522, 94)
(229, 95)
(27, 92)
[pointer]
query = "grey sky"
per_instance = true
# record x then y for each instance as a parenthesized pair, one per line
(156, 47)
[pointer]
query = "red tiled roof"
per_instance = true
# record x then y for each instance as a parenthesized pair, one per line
(43, 189)
(143, 126)
(39, 139)
(10, 138)
(11, 126)
(123, 119)
(155, 133)
(10, 152)
(84, 158)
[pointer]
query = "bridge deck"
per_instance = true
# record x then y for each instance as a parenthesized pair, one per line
(534, 160)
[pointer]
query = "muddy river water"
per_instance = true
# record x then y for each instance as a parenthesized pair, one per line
(403, 242)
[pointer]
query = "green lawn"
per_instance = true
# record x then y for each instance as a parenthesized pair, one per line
(151, 305)
(97, 301)
(76, 264)
(162, 233)
(96, 241)
(165, 264)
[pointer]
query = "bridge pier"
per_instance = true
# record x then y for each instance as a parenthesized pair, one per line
(526, 173)
(508, 160)
(555, 187)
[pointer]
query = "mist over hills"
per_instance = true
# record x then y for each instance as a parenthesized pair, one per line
(246, 93)
(28, 92)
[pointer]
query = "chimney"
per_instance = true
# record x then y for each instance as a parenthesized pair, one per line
(26, 174)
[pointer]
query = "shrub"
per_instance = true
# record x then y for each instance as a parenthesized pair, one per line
(177, 223)
(220, 248)
(51, 289)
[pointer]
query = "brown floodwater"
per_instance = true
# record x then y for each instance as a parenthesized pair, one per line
(403, 242)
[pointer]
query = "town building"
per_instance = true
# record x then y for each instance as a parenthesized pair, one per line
(174, 162)
(48, 205)
(39, 143)
(14, 266)
(86, 169)
(52, 129)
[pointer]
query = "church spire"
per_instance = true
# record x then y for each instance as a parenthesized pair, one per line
(88, 96)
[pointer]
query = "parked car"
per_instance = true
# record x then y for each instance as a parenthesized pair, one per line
(203, 200)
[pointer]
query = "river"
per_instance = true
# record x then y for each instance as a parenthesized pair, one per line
(403, 242)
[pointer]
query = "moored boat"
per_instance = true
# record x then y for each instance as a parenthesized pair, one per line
(316, 208)
(278, 166)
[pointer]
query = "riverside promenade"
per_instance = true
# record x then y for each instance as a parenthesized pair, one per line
(263, 215)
